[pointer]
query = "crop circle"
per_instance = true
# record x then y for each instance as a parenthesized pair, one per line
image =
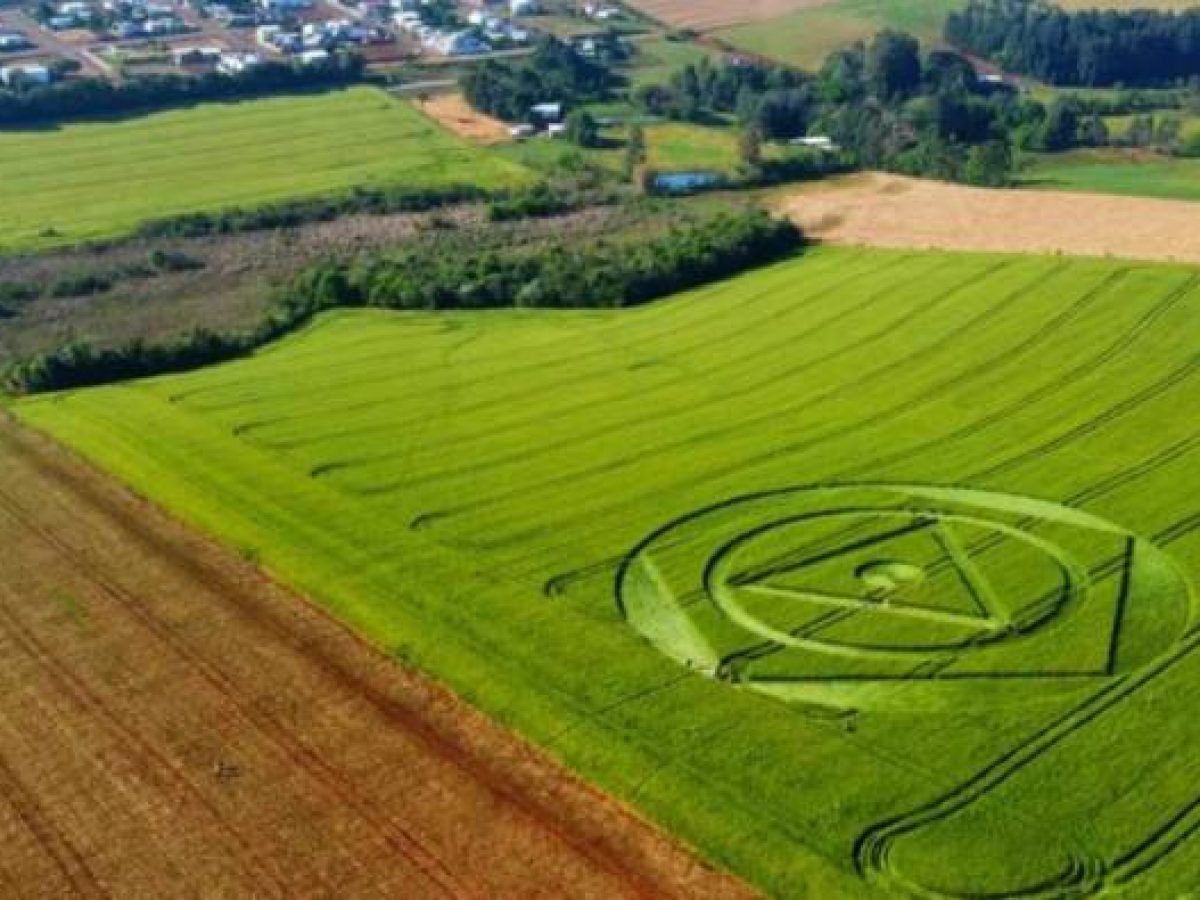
(867, 595)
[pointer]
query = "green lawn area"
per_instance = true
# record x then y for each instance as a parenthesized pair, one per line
(670, 146)
(97, 179)
(655, 60)
(1115, 172)
(804, 38)
(726, 555)
(675, 146)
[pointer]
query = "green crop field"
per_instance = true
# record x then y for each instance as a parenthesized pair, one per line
(1115, 172)
(869, 573)
(805, 37)
(96, 179)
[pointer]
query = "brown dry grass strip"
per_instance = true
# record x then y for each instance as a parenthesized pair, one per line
(892, 211)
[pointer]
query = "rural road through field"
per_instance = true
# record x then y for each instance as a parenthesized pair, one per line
(175, 724)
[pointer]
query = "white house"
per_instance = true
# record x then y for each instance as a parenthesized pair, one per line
(13, 40)
(234, 63)
(816, 142)
(547, 112)
(310, 57)
(556, 129)
(31, 74)
(284, 5)
(461, 43)
(76, 8)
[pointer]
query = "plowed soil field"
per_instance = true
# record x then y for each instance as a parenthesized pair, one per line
(173, 723)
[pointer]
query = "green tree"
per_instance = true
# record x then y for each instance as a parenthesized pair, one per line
(635, 150)
(893, 65)
(990, 164)
(1093, 132)
(750, 146)
(1061, 127)
(582, 128)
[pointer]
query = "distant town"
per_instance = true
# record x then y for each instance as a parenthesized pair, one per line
(45, 42)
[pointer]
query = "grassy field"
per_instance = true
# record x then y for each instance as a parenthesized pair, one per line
(680, 145)
(1116, 172)
(656, 60)
(596, 527)
(96, 179)
(804, 38)
(670, 146)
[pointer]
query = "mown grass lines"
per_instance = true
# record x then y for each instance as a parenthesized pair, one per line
(96, 179)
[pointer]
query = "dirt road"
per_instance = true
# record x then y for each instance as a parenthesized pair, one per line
(174, 724)
(891, 211)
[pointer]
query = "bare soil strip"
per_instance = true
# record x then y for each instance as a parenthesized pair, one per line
(709, 15)
(174, 724)
(453, 113)
(890, 211)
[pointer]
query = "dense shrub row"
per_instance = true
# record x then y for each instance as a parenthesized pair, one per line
(610, 274)
(293, 213)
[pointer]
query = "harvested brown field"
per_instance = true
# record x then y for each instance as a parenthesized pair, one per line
(453, 113)
(176, 724)
(890, 211)
(709, 15)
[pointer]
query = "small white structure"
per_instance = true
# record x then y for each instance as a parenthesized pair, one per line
(816, 142)
(31, 74)
(522, 131)
(13, 40)
(235, 63)
(283, 6)
(460, 43)
(601, 12)
(309, 57)
(556, 129)
(76, 8)
(523, 7)
(547, 112)
(164, 26)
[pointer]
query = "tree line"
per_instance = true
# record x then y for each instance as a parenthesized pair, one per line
(1092, 48)
(86, 97)
(605, 274)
